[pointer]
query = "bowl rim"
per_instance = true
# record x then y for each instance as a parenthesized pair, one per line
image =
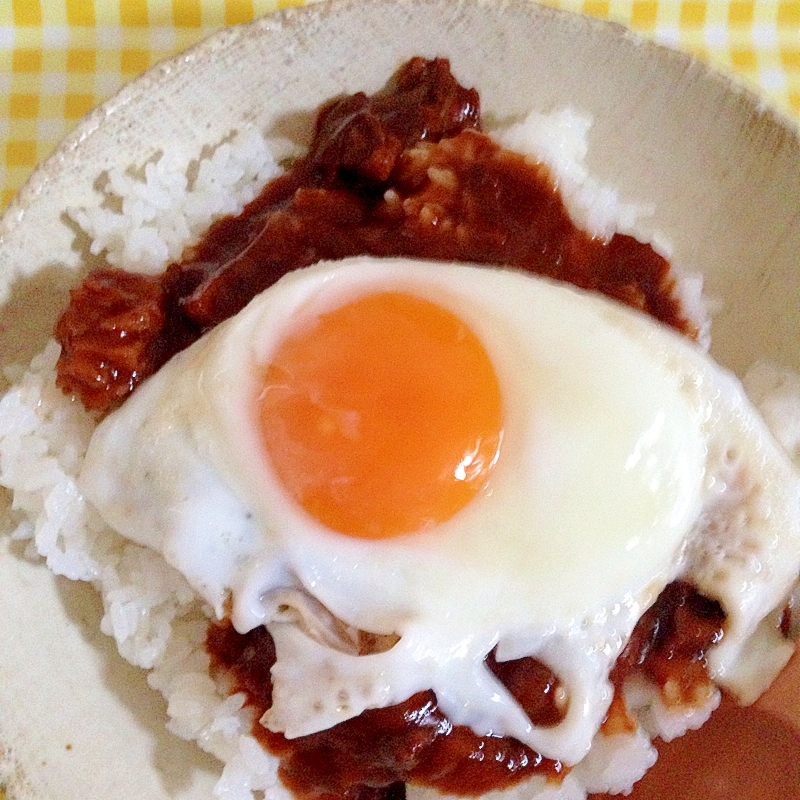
(290, 17)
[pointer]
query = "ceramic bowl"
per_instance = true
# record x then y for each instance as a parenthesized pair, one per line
(721, 169)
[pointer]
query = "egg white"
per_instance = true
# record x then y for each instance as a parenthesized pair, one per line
(628, 458)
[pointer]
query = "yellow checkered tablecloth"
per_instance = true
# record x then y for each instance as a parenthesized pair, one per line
(59, 58)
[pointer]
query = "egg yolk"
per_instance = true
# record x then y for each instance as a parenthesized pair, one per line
(383, 417)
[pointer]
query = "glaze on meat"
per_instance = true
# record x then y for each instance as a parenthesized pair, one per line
(372, 756)
(405, 172)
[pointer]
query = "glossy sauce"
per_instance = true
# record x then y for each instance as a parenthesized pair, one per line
(669, 644)
(374, 754)
(406, 172)
(414, 741)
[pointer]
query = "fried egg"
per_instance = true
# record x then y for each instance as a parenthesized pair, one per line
(465, 459)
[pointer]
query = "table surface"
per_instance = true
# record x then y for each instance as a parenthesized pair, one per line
(60, 58)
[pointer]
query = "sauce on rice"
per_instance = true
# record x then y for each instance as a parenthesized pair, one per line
(405, 172)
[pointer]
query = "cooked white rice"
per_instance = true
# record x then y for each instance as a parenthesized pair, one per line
(152, 213)
(149, 217)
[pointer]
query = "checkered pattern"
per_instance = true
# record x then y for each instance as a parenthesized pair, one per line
(59, 58)
(757, 39)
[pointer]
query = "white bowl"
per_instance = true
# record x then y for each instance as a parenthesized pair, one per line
(722, 170)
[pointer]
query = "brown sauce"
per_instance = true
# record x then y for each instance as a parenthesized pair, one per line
(669, 645)
(374, 754)
(405, 172)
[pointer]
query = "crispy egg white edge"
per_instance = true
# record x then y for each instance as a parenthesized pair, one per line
(699, 377)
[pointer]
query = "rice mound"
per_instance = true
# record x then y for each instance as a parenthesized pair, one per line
(149, 217)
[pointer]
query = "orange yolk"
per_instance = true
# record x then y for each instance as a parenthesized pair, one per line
(383, 417)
